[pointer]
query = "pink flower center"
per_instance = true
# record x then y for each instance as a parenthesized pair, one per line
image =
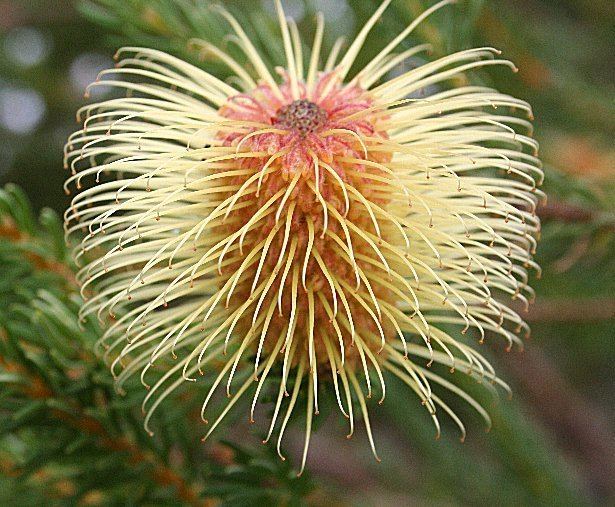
(324, 123)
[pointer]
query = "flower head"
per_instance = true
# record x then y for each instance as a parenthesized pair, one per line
(322, 230)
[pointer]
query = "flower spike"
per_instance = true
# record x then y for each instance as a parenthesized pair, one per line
(320, 231)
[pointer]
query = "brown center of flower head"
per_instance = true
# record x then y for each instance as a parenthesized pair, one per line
(302, 116)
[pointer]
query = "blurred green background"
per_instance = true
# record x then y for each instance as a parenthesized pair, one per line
(554, 442)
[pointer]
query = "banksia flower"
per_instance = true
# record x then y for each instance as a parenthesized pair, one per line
(312, 232)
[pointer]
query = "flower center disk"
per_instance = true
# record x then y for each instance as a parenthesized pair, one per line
(302, 116)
